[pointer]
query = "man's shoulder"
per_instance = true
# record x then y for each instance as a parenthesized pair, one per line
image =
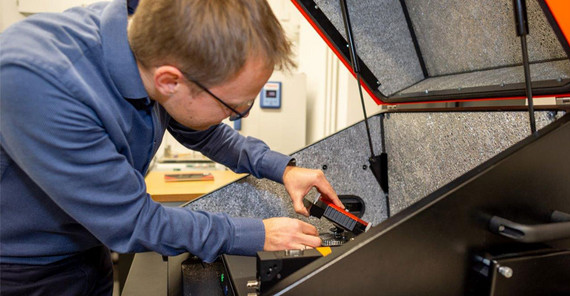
(53, 41)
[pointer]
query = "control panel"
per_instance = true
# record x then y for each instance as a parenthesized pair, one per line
(270, 96)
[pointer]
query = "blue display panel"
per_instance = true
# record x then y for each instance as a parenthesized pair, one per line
(270, 96)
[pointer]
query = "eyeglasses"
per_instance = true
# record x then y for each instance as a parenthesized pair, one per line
(235, 114)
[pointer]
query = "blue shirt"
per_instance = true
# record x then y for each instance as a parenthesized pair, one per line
(78, 131)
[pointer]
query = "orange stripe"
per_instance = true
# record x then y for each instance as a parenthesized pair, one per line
(561, 11)
(330, 204)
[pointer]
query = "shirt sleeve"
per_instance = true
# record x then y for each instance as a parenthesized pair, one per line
(241, 154)
(63, 146)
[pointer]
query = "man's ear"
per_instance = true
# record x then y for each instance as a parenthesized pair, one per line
(167, 80)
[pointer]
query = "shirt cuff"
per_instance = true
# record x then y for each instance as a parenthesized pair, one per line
(273, 165)
(249, 236)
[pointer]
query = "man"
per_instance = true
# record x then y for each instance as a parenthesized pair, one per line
(86, 98)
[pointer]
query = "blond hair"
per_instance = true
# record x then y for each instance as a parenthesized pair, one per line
(209, 40)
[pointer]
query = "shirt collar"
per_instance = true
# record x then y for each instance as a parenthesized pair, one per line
(119, 58)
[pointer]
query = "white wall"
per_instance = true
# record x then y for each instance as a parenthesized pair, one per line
(9, 13)
(282, 129)
(15, 10)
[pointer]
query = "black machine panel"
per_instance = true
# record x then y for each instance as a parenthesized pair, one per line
(435, 246)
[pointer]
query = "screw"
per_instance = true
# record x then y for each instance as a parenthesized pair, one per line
(364, 167)
(506, 271)
(325, 167)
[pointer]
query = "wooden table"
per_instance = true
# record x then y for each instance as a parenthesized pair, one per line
(162, 191)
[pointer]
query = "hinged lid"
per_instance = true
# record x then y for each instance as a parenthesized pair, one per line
(447, 50)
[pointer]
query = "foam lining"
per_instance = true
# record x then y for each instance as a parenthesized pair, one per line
(556, 70)
(382, 38)
(461, 44)
(426, 150)
(457, 36)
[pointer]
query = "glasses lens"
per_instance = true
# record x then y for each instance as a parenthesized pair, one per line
(236, 116)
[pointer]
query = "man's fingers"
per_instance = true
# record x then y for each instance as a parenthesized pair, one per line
(307, 228)
(310, 241)
(300, 207)
(334, 198)
(327, 191)
(338, 203)
(285, 233)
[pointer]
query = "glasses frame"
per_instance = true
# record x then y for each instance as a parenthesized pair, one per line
(236, 115)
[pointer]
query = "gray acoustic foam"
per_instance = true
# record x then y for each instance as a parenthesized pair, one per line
(382, 39)
(425, 152)
(539, 71)
(344, 154)
(463, 43)
(429, 150)
(458, 36)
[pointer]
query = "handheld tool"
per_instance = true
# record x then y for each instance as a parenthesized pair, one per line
(321, 207)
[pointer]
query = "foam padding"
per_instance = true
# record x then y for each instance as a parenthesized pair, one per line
(425, 151)
(382, 39)
(495, 77)
(457, 36)
(462, 43)
(343, 155)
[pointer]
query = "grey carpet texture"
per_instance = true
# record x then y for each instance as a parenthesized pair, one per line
(463, 43)
(425, 151)
(556, 70)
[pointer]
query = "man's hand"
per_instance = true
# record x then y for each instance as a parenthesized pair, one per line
(289, 234)
(298, 181)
